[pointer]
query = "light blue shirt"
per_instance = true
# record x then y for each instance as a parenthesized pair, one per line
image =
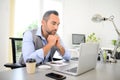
(29, 51)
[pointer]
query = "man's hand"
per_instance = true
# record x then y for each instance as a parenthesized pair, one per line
(59, 46)
(51, 42)
(52, 39)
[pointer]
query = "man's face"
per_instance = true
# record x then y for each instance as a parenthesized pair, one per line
(51, 26)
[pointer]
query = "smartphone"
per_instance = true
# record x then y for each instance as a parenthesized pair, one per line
(56, 76)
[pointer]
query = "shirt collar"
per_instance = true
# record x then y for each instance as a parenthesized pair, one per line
(39, 33)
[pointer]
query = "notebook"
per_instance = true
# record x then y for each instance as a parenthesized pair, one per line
(86, 62)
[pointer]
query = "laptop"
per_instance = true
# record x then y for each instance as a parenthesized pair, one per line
(86, 62)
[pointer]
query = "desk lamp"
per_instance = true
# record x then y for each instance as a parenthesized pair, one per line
(99, 18)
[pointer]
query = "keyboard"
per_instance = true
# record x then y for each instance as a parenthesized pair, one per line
(75, 58)
(74, 70)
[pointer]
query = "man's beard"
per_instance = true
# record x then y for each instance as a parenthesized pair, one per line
(51, 32)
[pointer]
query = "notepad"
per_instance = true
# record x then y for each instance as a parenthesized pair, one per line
(44, 67)
(57, 63)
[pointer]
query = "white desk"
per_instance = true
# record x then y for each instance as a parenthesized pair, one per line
(103, 71)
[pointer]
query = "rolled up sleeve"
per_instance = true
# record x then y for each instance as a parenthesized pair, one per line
(28, 49)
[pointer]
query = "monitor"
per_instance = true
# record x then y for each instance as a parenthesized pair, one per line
(78, 38)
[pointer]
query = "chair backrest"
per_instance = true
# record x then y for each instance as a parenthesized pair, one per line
(16, 48)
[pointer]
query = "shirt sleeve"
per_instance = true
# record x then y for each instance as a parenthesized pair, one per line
(28, 48)
(66, 55)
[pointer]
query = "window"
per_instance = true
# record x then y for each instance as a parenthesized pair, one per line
(26, 15)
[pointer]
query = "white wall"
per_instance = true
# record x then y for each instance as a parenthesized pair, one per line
(77, 19)
(4, 28)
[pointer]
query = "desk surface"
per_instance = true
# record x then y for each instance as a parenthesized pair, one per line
(103, 71)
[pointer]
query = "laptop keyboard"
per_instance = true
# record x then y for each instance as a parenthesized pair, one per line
(75, 58)
(74, 70)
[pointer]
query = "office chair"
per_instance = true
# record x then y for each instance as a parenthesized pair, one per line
(15, 64)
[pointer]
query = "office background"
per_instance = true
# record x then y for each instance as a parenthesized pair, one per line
(77, 16)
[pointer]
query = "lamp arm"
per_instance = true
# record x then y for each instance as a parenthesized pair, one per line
(118, 41)
(116, 29)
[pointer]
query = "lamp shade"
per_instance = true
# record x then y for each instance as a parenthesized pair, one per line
(97, 18)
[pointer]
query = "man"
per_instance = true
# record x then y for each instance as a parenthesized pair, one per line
(42, 43)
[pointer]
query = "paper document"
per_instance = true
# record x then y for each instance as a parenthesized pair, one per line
(57, 63)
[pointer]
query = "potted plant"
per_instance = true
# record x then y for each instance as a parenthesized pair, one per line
(117, 54)
(92, 38)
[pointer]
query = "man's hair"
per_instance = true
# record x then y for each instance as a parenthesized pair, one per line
(48, 13)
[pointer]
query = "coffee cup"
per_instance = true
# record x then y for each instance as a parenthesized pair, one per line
(30, 65)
